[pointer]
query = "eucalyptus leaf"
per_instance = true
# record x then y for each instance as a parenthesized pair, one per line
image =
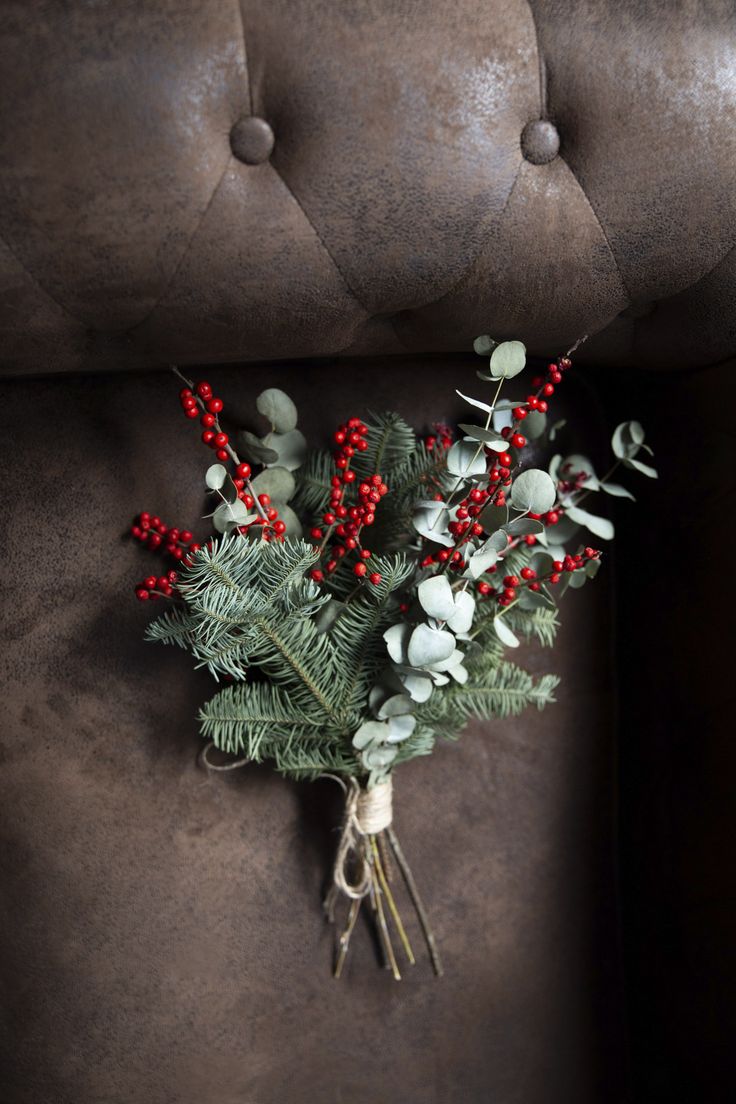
(524, 527)
(592, 567)
(276, 405)
(578, 579)
(395, 706)
(534, 424)
(231, 514)
(291, 520)
(256, 449)
(277, 482)
(555, 428)
(290, 449)
(397, 641)
(428, 646)
(328, 615)
(215, 476)
(400, 728)
(533, 491)
(487, 436)
(465, 459)
(475, 402)
(436, 597)
(431, 522)
(418, 686)
(370, 732)
(504, 633)
(462, 618)
(616, 490)
(484, 345)
(627, 440)
(602, 527)
(375, 758)
(493, 517)
(645, 469)
(508, 359)
(459, 673)
(534, 599)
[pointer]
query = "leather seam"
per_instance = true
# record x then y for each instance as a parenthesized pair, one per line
(604, 235)
(35, 280)
(321, 240)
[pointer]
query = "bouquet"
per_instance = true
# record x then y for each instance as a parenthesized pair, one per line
(360, 602)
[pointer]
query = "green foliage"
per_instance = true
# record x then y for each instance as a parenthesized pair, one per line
(502, 690)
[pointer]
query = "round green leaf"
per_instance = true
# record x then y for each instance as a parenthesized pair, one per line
(436, 597)
(508, 359)
(534, 424)
(276, 405)
(602, 527)
(428, 646)
(533, 491)
(215, 476)
(289, 448)
(256, 449)
(277, 482)
(484, 345)
(396, 706)
(370, 732)
(504, 633)
(292, 522)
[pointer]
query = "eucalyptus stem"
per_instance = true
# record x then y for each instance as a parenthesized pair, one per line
(344, 941)
(411, 886)
(384, 933)
(383, 882)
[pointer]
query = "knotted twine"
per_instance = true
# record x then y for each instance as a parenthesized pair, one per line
(367, 812)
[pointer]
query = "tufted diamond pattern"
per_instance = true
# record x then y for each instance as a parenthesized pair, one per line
(227, 182)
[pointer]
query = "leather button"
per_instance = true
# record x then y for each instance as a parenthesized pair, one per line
(540, 142)
(252, 140)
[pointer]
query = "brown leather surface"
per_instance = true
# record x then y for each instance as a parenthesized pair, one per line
(162, 938)
(396, 210)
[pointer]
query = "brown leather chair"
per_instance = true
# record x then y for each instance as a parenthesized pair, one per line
(338, 197)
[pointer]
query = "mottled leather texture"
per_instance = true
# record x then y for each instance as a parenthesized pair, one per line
(268, 185)
(200, 180)
(162, 934)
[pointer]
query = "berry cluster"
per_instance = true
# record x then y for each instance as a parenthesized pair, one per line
(150, 530)
(197, 399)
(441, 438)
(152, 587)
(507, 593)
(500, 467)
(343, 521)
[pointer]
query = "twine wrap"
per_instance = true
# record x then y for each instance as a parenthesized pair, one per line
(367, 812)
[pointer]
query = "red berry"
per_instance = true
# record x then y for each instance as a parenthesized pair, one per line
(518, 441)
(329, 519)
(207, 420)
(208, 436)
(204, 390)
(511, 581)
(535, 586)
(221, 439)
(243, 470)
(484, 588)
(141, 594)
(360, 569)
(527, 573)
(185, 393)
(191, 412)
(222, 454)
(279, 527)
(548, 389)
(542, 406)
(316, 575)
(375, 578)
(558, 565)
(554, 578)
(150, 582)
(349, 477)
(504, 459)
(509, 593)
(365, 554)
(264, 499)
(519, 413)
(214, 406)
(552, 517)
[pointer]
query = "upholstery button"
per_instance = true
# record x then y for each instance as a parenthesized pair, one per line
(540, 142)
(251, 140)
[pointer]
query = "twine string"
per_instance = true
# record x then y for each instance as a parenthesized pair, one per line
(367, 812)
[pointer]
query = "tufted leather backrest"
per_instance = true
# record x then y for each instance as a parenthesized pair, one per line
(214, 181)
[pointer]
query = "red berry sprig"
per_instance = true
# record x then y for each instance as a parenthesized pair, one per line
(341, 520)
(198, 398)
(156, 587)
(510, 586)
(150, 530)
